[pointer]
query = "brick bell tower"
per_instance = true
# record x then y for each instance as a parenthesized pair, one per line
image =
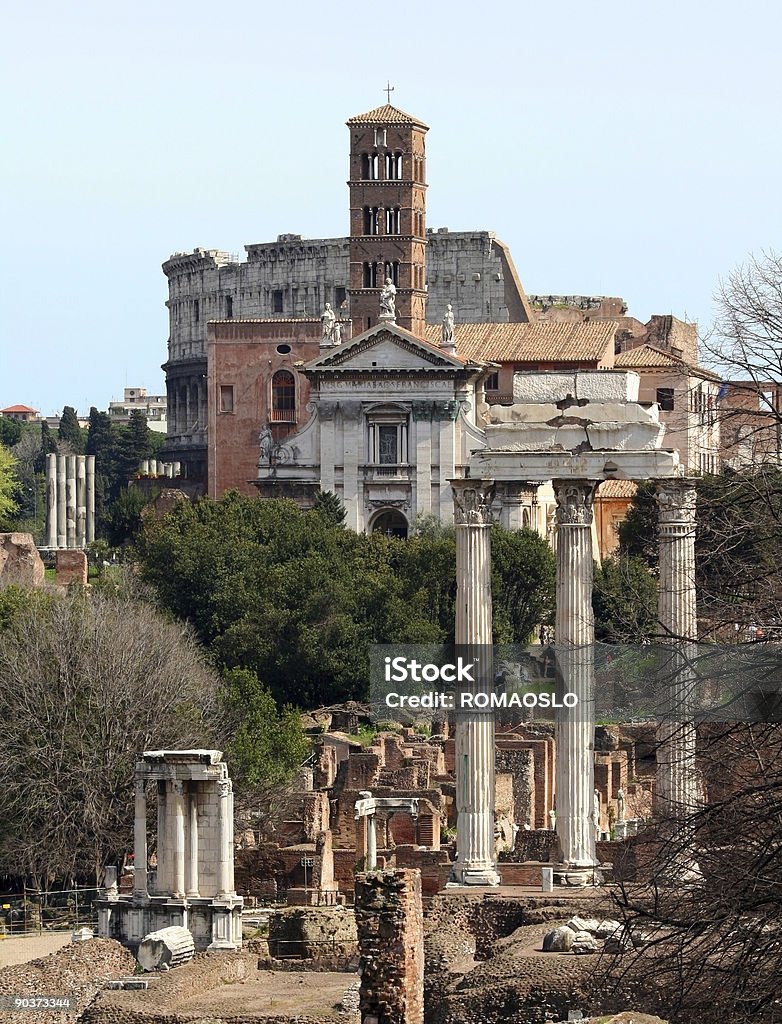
(387, 216)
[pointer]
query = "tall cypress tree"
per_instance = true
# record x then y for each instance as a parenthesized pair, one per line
(70, 432)
(48, 447)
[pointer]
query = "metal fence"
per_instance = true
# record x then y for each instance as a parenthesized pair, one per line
(35, 911)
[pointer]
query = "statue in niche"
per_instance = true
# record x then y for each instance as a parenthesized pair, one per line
(388, 300)
(448, 326)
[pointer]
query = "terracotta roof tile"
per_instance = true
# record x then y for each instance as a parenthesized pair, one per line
(18, 408)
(617, 489)
(646, 356)
(534, 342)
(386, 115)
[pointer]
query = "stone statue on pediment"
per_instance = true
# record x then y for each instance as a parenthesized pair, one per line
(388, 301)
(328, 320)
(447, 330)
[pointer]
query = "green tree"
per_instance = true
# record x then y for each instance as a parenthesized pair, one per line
(264, 745)
(299, 601)
(10, 431)
(131, 445)
(69, 431)
(48, 446)
(523, 582)
(329, 507)
(624, 599)
(8, 487)
(123, 516)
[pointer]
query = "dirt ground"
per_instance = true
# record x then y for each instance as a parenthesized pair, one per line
(272, 992)
(31, 947)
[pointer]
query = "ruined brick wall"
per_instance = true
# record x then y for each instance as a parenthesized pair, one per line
(520, 766)
(389, 920)
(70, 567)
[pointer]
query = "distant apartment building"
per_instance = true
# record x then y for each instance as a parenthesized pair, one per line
(136, 399)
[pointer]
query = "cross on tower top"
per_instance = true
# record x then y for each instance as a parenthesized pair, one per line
(388, 90)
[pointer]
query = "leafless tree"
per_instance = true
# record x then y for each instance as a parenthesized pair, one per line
(702, 916)
(87, 681)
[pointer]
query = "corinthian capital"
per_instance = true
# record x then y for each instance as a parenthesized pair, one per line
(676, 501)
(472, 500)
(574, 502)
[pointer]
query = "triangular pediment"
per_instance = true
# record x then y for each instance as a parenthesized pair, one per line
(385, 347)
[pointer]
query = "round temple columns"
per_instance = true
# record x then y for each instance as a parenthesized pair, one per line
(677, 791)
(475, 863)
(574, 637)
(140, 842)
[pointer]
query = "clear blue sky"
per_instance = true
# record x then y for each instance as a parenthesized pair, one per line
(618, 148)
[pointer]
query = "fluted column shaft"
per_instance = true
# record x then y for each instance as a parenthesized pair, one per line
(51, 501)
(475, 863)
(70, 501)
(89, 467)
(81, 501)
(62, 535)
(163, 858)
(575, 637)
(677, 789)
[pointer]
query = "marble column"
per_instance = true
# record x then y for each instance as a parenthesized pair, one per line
(51, 501)
(371, 843)
(140, 842)
(225, 839)
(70, 502)
(163, 858)
(574, 638)
(62, 536)
(81, 501)
(178, 839)
(89, 468)
(676, 791)
(192, 845)
(475, 863)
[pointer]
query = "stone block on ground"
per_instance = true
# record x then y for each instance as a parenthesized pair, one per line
(583, 942)
(559, 940)
(20, 562)
(583, 924)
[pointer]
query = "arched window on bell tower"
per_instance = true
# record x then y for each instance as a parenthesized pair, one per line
(371, 220)
(393, 220)
(370, 275)
(370, 165)
(392, 271)
(393, 166)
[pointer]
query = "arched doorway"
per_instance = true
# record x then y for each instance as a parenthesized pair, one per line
(391, 522)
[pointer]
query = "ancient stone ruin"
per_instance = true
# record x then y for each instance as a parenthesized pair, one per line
(192, 883)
